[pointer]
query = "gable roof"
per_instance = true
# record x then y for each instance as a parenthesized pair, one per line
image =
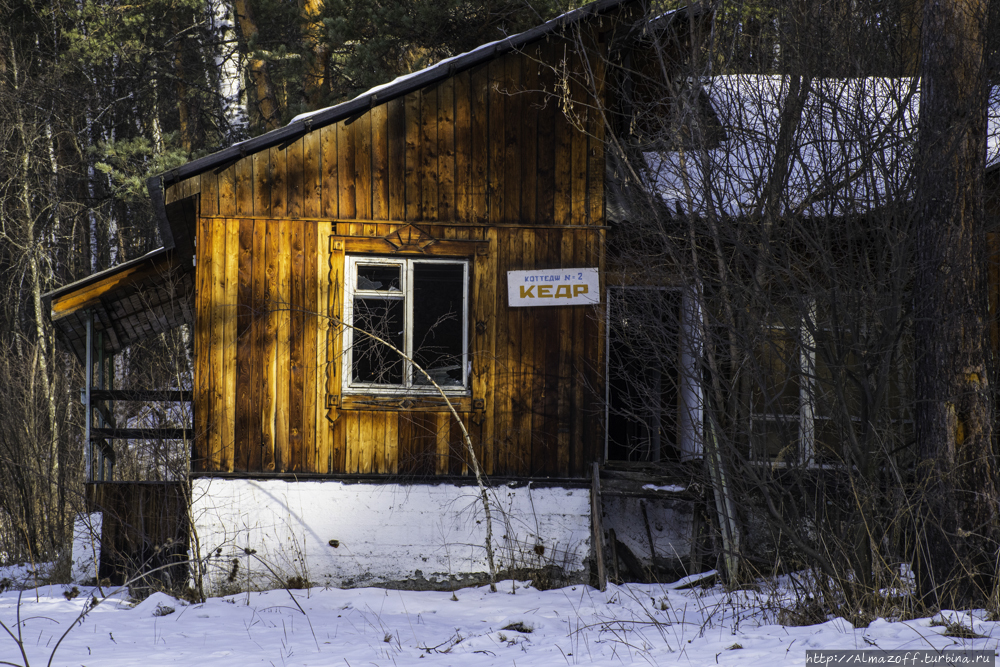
(852, 150)
(135, 299)
(306, 122)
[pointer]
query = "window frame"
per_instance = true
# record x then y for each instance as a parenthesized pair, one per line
(809, 416)
(351, 291)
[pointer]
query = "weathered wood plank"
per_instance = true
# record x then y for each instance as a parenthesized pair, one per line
(378, 442)
(336, 345)
(578, 155)
(596, 138)
(279, 182)
(457, 459)
(218, 291)
(405, 462)
(519, 326)
(366, 441)
(353, 429)
(512, 137)
(295, 179)
(244, 345)
(442, 248)
(227, 191)
(345, 158)
(282, 346)
(529, 102)
(339, 436)
(505, 373)
(442, 448)
(480, 141)
(269, 362)
(396, 147)
(202, 459)
(429, 157)
(483, 345)
(425, 443)
(209, 204)
(261, 184)
(361, 130)
(414, 157)
(324, 450)
(310, 358)
(546, 144)
(244, 186)
(463, 148)
(579, 462)
(296, 378)
(330, 171)
(526, 354)
(380, 162)
(495, 148)
(391, 442)
(258, 336)
(562, 196)
(545, 389)
(446, 149)
(231, 251)
(312, 177)
(564, 407)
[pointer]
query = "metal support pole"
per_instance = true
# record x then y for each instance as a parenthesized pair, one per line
(114, 422)
(100, 415)
(88, 452)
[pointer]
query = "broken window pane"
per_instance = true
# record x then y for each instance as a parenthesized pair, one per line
(383, 277)
(374, 362)
(438, 295)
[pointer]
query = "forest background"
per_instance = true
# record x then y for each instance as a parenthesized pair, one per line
(98, 95)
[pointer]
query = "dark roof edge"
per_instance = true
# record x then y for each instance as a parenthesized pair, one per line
(101, 275)
(408, 84)
(155, 187)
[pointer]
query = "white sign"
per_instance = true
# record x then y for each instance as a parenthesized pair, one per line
(553, 287)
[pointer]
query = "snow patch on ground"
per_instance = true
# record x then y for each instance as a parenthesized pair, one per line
(635, 623)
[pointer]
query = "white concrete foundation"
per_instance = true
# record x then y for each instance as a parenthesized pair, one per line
(261, 533)
(86, 547)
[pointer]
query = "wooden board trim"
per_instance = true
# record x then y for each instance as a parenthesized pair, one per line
(400, 403)
(377, 245)
(435, 223)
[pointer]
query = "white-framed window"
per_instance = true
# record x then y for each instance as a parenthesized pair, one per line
(416, 305)
(807, 393)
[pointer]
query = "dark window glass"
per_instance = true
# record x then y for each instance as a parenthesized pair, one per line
(375, 362)
(438, 294)
(378, 277)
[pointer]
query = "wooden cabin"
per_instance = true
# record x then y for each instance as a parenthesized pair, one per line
(437, 243)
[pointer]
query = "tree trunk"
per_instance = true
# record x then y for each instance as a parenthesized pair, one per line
(265, 94)
(959, 531)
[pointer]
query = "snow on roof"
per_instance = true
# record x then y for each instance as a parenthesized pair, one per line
(851, 152)
(544, 28)
(304, 123)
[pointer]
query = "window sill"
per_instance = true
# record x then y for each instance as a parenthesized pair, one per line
(404, 403)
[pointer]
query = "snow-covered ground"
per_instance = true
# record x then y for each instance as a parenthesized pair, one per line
(635, 623)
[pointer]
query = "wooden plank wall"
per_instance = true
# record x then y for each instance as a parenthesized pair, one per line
(489, 155)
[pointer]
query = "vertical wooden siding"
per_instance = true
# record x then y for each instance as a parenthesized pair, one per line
(487, 155)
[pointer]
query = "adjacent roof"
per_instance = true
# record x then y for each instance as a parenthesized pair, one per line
(852, 150)
(140, 298)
